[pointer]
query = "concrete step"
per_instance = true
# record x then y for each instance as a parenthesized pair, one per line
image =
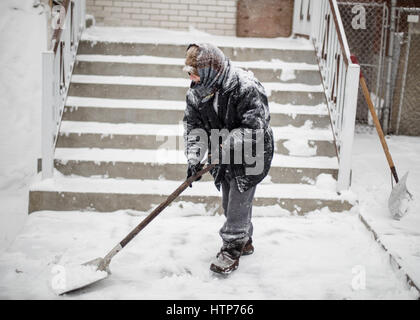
(80, 134)
(290, 54)
(172, 112)
(121, 115)
(146, 66)
(153, 88)
(120, 144)
(106, 195)
(168, 43)
(119, 141)
(171, 165)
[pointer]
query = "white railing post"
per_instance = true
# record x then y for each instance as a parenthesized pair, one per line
(302, 18)
(296, 19)
(53, 93)
(348, 124)
(315, 20)
(47, 114)
(67, 49)
(83, 15)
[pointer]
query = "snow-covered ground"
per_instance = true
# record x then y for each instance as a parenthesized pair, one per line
(22, 38)
(321, 255)
(372, 183)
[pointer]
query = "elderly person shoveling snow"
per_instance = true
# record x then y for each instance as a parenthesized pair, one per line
(227, 115)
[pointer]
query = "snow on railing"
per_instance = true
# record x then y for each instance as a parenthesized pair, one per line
(340, 77)
(57, 67)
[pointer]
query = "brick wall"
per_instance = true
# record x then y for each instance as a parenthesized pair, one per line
(212, 16)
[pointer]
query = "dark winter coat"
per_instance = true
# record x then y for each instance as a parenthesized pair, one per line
(243, 104)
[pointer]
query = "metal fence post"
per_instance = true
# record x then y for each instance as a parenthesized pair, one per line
(388, 93)
(349, 119)
(47, 134)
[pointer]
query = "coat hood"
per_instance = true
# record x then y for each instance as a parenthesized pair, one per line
(214, 69)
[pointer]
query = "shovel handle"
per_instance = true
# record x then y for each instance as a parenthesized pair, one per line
(376, 122)
(378, 128)
(164, 204)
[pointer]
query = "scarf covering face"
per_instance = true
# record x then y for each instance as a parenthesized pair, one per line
(212, 66)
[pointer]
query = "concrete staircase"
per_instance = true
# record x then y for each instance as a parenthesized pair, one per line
(120, 144)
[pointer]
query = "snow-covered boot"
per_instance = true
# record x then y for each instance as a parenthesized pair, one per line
(249, 248)
(227, 260)
(225, 263)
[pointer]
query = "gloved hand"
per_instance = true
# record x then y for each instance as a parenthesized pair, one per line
(193, 169)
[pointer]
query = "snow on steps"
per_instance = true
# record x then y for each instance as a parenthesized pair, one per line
(171, 164)
(274, 64)
(161, 104)
(125, 87)
(157, 36)
(106, 195)
(165, 43)
(177, 157)
(290, 140)
(288, 132)
(115, 103)
(144, 111)
(183, 83)
(265, 71)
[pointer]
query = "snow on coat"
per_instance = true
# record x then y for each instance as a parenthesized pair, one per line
(242, 104)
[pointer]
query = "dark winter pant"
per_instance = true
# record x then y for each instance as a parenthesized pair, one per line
(238, 211)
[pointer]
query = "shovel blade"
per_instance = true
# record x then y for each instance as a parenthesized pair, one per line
(399, 200)
(81, 276)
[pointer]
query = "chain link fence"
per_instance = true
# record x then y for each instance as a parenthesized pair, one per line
(368, 30)
(405, 111)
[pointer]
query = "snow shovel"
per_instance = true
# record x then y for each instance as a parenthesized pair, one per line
(398, 202)
(98, 269)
